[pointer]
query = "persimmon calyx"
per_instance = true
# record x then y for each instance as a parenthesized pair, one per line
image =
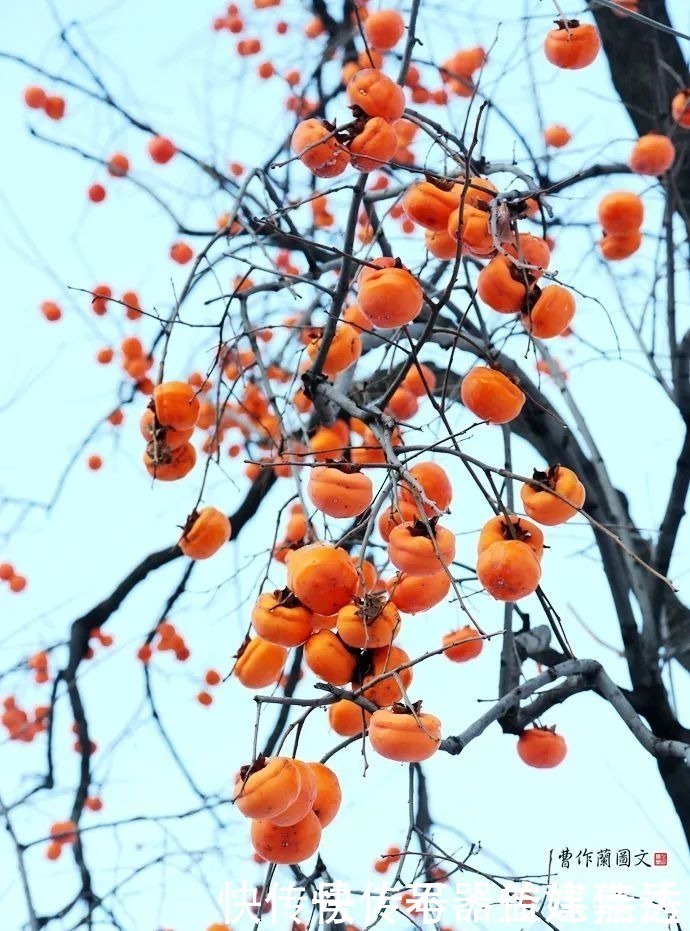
(413, 709)
(285, 599)
(545, 478)
(443, 184)
(189, 523)
(513, 530)
(531, 299)
(243, 646)
(250, 768)
(370, 607)
(420, 529)
(342, 465)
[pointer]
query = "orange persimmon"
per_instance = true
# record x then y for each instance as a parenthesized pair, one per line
(322, 577)
(384, 29)
(287, 845)
(280, 618)
(267, 788)
(491, 395)
(541, 747)
(543, 505)
(259, 663)
(404, 735)
(204, 533)
(368, 622)
(329, 658)
(508, 570)
(414, 593)
(416, 549)
(653, 154)
(572, 45)
(462, 645)
(376, 94)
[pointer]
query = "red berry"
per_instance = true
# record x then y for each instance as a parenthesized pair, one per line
(96, 193)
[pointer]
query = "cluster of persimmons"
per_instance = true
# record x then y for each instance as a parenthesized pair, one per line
(344, 611)
(338, 608)
(14, 580)
(288, 802)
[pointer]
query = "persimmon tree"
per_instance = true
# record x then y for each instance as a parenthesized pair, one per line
(359, 395)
